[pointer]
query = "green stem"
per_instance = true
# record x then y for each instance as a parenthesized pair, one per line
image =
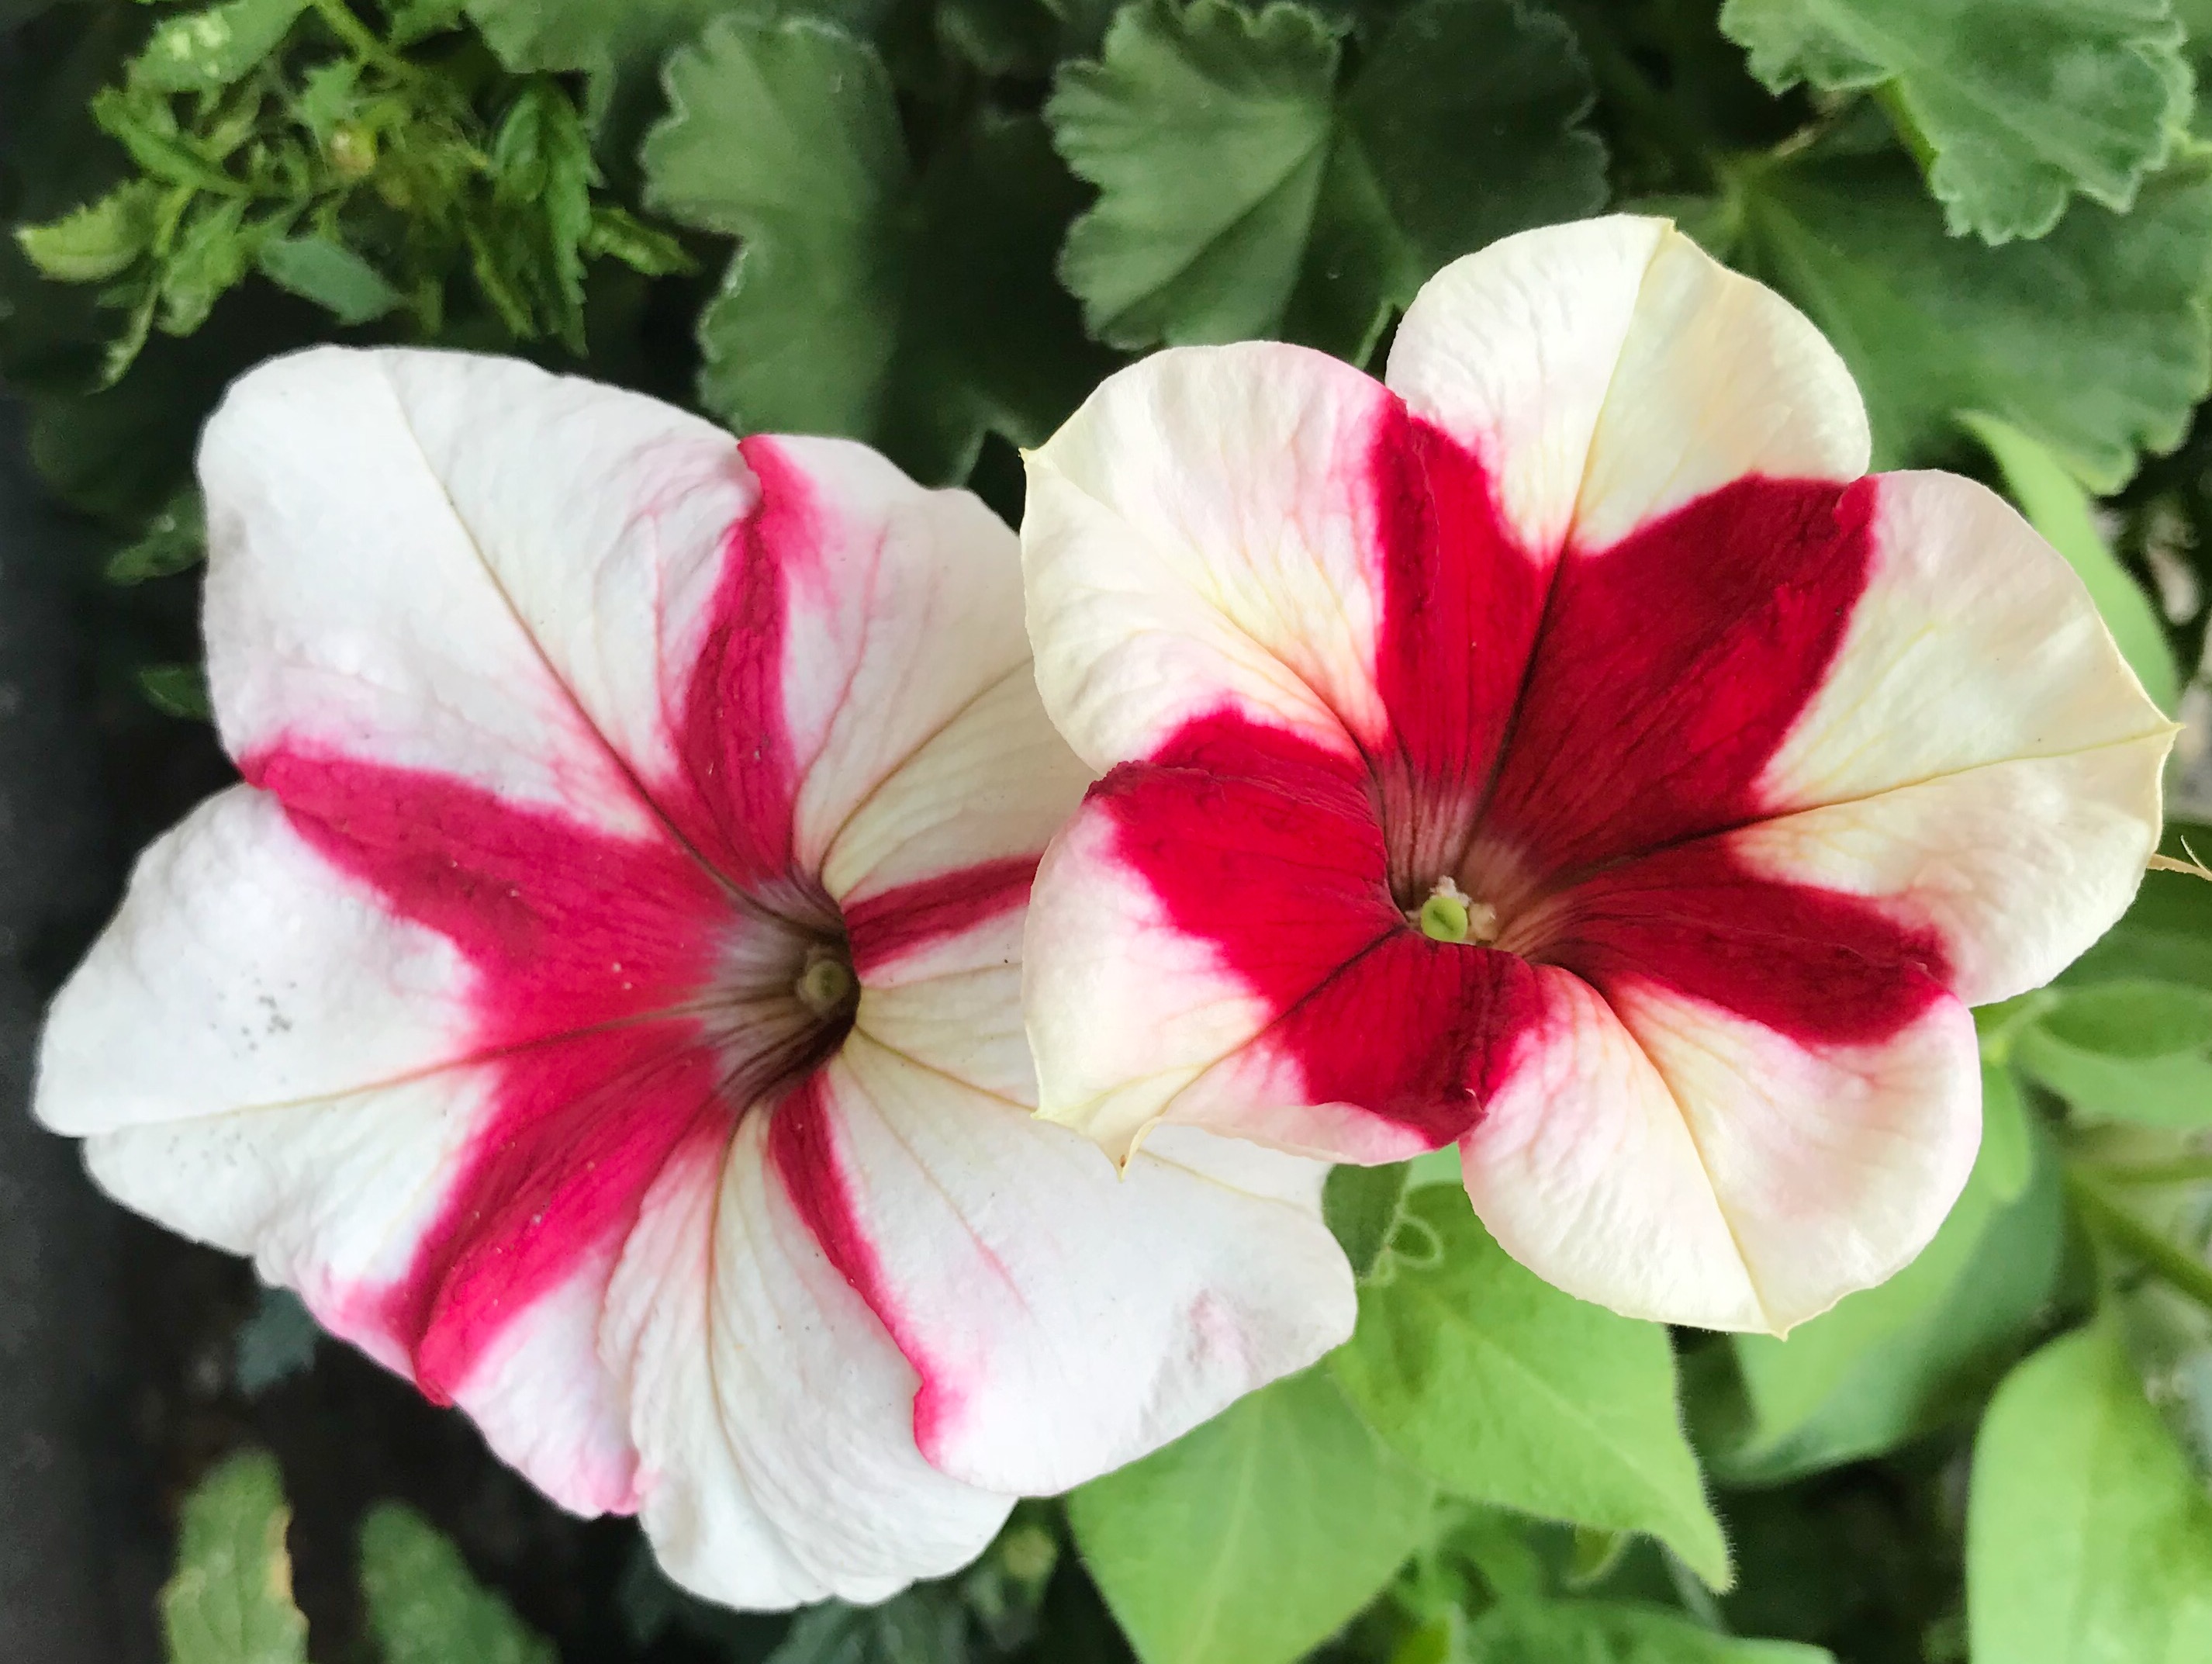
(359, 38)
(2174, 1265)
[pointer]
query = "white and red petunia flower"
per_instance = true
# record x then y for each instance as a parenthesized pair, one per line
(601, 1001)
(1563, 749)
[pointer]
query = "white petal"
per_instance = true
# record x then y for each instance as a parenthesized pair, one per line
(1608, 371)
(775, 1418)
(1064, 1320)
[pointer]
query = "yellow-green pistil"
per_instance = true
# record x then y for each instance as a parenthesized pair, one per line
(825, 983)
(1450, 915)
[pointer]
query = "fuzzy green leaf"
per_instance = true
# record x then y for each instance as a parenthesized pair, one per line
(102, 239)
(911, 313)
(1504, 1389)
(1243, 193)
(327, 272)
(2094, 341)
(1609, 1632)
(425, 1606)
(230, 1601)
(1254, 1536)
(2019, 102)
(2088, 1540)
(202, 51)
(1361, 1206)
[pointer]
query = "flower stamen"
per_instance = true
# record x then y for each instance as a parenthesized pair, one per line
(1451, 915)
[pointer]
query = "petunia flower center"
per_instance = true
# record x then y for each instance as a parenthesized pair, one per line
(1451, 915)
(782, 998)
(826, 982)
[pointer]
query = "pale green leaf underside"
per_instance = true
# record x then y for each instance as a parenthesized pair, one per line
(1253, 1537)
(1507, 1390)
(2020, 103)
(2088, 1540)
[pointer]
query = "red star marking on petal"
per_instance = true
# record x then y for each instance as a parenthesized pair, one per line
(1574, 746)
(593, 961)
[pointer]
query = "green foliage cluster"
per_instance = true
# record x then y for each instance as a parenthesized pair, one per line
(933, 224)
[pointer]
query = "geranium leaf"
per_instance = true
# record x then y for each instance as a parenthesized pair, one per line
(230, 1601)
(911, 313)
(425, 1606)
(2088, 1540)
(1253, 1537)
(1504, 1389)
(2085, 95)
(2092, 341)
(1892, 1362)
(1243, 193)
(618, 45)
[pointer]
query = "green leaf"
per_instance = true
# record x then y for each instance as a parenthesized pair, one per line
(2056, 505)
(1207, 131)
(2132, 1019)
(2086, 95)
(2128, 1049)
(1253, 1537)
(1506, 1390)
(914, 314)
(2167, 932)
(176, 690)
(327, 272)
(1361, 1206)
(1242, 194)
(2092, 342)
(926, 1624)
(531, 260)
(213, 251)
(99, 241)
(618, 45)
(1895, 1361)
(413, 21)
(619, 234)
(175, 541)
(2088, 1540)
(230, 1601)
(425, 1606)
(202, 51)
(1609, 1632)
